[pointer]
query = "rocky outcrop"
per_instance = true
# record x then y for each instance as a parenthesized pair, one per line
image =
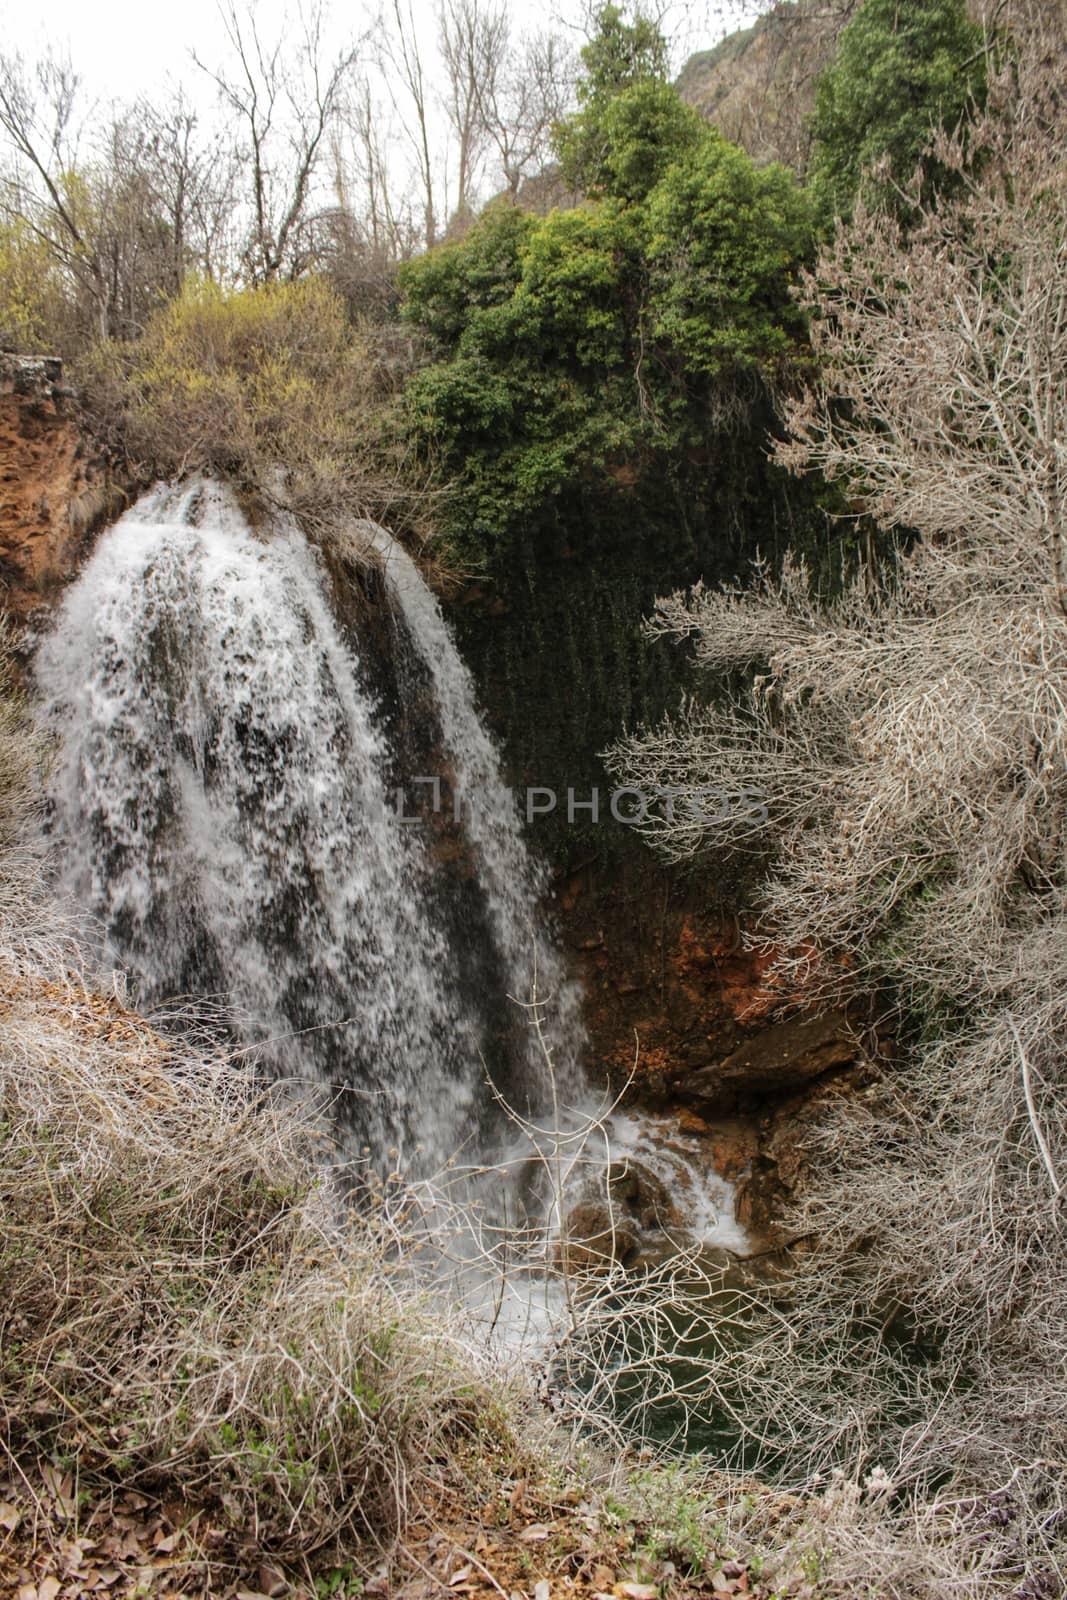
(774, 1061)
(758, 85)
(677, 1004)
(54, 490)
(675, 997)
(630, 1211)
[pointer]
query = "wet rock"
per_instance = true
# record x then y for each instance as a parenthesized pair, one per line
(597, 1237)
(789, 1138)
(774, 1062)
(633, 1216)
(733, 1146)
(639, 1191)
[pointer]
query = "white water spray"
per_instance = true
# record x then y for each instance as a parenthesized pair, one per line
(221, 806)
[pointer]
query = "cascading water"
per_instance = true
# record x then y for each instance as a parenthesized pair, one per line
(479, 798)
(219, 806)
(223, 806)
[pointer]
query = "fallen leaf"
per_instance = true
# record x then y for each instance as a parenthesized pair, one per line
(637, 1591)
(542, 1589)
(272, 1582)
(459, 1577)
(59, 1487)
(48, 1588)
(10, 1516)
(534, 1533)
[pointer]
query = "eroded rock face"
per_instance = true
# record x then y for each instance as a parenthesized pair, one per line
(786, 1153)
(758, 85)
(629, 1215)
(676, 997)
(774, 1061)
(54, 493)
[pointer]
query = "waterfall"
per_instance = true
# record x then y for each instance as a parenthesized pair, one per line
(221, 806)
(237, 749)
(488, 813)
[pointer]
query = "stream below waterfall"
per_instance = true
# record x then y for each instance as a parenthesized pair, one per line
(224, 810)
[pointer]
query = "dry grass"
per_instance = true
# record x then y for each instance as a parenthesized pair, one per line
(180, 1304)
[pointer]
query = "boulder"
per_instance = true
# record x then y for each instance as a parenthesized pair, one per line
(596, 1237)
(617, 1227)
(776, 1061)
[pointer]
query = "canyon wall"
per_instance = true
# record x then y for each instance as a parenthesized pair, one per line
(56, 489)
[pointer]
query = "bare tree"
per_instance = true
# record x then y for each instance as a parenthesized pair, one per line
(366, 177)
(37, 117)
(122, 202)
(401, 52)
(520, 103)
(910, 741)
(473, 40)
(195, 183)
(285, 94)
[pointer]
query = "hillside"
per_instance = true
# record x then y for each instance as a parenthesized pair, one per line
(758, 84)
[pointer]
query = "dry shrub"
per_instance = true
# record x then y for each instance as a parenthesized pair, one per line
(910, 737)
(270, 384)
(21, 755)
(180, 1304)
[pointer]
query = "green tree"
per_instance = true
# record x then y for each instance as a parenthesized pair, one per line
(724, 241)
(632, 123)
(601, 388)
(592, 355)
(903, 67)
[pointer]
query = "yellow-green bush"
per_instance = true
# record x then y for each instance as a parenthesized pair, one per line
(245, 382)
(32, 301)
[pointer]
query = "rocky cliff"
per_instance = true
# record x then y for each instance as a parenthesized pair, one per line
(678, 1002)
(55, 490)
(757, 86)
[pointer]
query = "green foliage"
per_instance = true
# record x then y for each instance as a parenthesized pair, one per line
(632, 124)
(32, 304)
(623, 146)
(620, 53)
(602, 386)
(725, 239)
(903, 67)
(591, 352)
(451, 283)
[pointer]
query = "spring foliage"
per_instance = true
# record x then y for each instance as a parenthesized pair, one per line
(610, 343)
(246, 382)
(903, 68)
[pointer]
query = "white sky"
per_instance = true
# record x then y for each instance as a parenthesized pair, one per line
(125, 48)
